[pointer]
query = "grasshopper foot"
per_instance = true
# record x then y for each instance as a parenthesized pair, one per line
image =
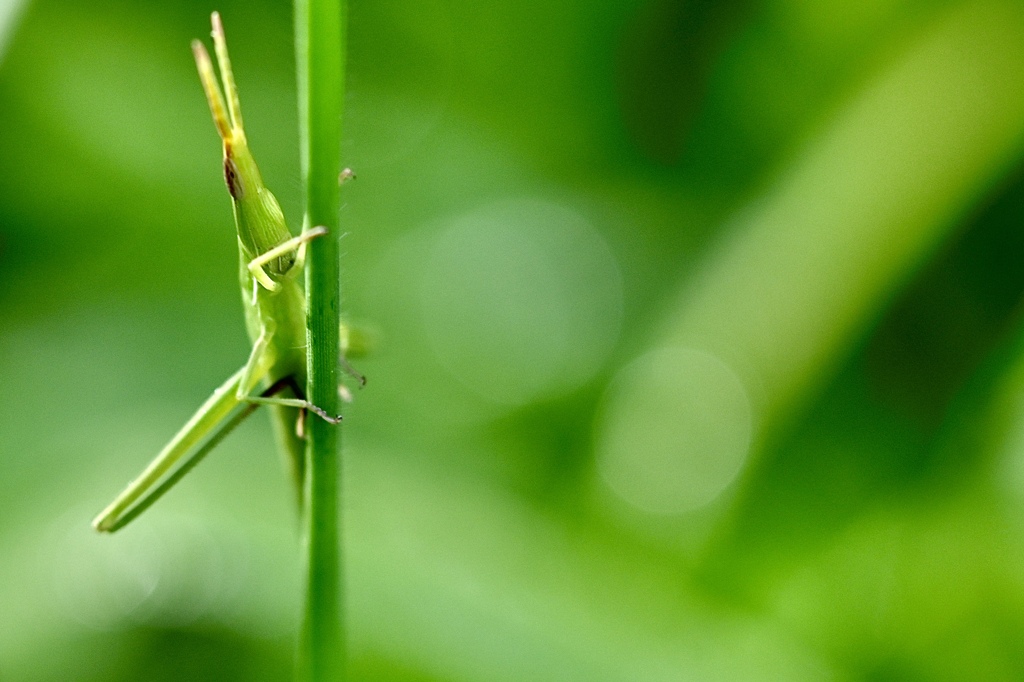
(323, 415)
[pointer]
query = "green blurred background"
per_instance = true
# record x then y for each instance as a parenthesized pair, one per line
(700, 349)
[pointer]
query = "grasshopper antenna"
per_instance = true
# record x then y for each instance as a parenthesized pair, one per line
(212, 90)
(220, 45)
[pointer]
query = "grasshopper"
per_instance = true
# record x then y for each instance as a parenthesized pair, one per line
(275, 314)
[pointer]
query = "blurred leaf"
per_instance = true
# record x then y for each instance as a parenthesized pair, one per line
(667, 53)
(804, 270)
(10, 11)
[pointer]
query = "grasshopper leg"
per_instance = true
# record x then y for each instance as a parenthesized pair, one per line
(162, 475)
(297, 244)
(256, 368)
(294, 402)
(344, 335)
(351, 371)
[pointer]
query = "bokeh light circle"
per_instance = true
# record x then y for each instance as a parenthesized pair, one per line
(675, 430)
(521, 300)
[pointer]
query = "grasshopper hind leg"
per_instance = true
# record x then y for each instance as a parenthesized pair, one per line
(214, 421)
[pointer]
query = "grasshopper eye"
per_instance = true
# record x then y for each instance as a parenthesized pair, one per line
(231, 178)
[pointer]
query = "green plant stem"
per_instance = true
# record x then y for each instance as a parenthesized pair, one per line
(320, 55)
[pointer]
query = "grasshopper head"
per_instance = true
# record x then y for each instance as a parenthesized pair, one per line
(258, 216)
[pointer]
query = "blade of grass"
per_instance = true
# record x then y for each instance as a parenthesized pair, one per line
(320, 60)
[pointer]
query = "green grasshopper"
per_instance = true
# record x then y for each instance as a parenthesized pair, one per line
(275, 314)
